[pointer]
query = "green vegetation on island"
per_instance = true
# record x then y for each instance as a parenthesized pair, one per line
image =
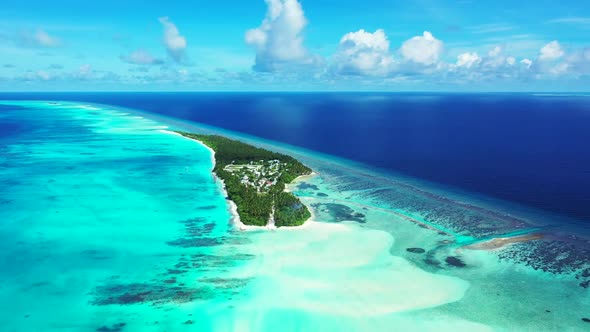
(255, 180)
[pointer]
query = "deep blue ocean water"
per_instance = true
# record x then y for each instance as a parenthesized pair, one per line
(528, 149)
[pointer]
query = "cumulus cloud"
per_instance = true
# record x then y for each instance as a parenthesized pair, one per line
(141, 57)
(526, 62)
(368, 54)
(468, 60)
(495, 58)
(364, 53)
(175, 43)
(425, 50)
(494, 52)
(551, 51)
(493, 65)
(552, 61)
(278, 41)
(38, 39)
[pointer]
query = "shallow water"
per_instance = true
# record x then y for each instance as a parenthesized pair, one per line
(107, 224)
(100, 209)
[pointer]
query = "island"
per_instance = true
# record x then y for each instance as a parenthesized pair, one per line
(255, 181)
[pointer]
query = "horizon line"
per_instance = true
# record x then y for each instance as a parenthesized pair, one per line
(299, 91)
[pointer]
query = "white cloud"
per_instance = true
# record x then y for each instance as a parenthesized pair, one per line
(526, 62)
(141, 57)
(364, 53)
(494, 52)
(44, 39)
(468, 60)
(424, 50)
(175, 43)
(278, 41)
(38, 39)
(494, 65)
(551, 51)
(495, 59)
(552, 61)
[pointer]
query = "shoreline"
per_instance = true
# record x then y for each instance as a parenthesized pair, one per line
(232, 207)
(300, 178)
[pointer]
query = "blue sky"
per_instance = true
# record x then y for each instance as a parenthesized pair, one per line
(373, 45)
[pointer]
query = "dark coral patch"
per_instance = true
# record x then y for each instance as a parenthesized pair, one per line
(305, 186)
(181, 265)
(416, 250)
(114, 328)
(128, 294)
(340, 212)
(198, 226)
(587, 320)
(431, 261)
(455, 261)
(322, 195)
(204, 261)
(195, 242)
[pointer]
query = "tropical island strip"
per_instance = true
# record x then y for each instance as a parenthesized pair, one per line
(255, 180)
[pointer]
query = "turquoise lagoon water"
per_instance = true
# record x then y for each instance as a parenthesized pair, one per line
(99, 208)
(109, 224)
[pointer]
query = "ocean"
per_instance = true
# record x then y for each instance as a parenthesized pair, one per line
(108, 223)
(522, 148)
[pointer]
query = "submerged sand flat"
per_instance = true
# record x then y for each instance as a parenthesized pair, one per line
(112, 225)
(323, 269)
(337, 277)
